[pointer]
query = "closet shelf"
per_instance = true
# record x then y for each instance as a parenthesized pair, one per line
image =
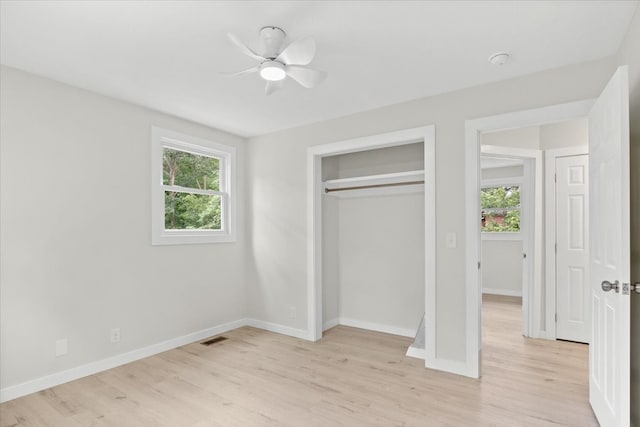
(376, 185)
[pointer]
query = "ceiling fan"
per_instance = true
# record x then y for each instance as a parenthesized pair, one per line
(276, 63)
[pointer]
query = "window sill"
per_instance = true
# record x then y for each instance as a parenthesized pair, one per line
(501, 236)
(180, 237)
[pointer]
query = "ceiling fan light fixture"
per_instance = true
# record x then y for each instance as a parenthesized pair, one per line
(272, 71)
(276, 63)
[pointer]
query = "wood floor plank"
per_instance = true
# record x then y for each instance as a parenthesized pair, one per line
(351, 377)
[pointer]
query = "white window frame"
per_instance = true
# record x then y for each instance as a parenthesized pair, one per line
(164, 138)
(504, 182)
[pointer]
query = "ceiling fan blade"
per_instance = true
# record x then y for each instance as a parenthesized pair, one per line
(244, 48)
(243, 72)
(305, 76)
(273, 86)
(300, 52)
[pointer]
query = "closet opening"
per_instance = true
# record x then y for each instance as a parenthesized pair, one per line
(373, 239)
(372, 234)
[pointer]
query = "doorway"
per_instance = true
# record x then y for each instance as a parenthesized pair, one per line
(538, 317)
(507, 234)
(513, 222)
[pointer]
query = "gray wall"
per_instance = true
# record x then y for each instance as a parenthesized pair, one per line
(76, 246)
(277, 195)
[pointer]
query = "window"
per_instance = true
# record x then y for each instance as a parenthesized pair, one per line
(500, 209)
(192, 189)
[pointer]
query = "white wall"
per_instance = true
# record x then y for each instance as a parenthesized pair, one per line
(571, 133)
(401, 158)
(502, 267)
(629, 54)
(528, 138)
(277, 194)
(330, 246)
(382, 260)
(505, 172)
(76, 246)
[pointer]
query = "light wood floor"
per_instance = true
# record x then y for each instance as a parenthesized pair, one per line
(350, 378)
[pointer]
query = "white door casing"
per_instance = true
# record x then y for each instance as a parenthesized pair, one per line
(573, 294)
(609, 260)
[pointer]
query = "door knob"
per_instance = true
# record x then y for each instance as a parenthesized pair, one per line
(607, 286)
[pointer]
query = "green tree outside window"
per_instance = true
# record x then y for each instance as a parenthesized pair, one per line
(186, 210)
(500, 209)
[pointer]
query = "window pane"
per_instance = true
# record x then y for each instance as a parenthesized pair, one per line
(185, 211)
(500, 209)
(190, 170)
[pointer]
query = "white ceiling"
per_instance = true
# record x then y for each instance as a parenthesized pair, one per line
(166, 55)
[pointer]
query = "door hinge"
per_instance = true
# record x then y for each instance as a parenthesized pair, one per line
(555, 177)
(556, 247)
(478, 265)
(556, 317)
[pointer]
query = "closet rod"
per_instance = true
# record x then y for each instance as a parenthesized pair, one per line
(361, 187)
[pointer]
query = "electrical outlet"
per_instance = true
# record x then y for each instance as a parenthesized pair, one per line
(292, 312)
(62, 347)
(115, 335)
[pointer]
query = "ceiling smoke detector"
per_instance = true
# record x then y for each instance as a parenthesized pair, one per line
(499, 58)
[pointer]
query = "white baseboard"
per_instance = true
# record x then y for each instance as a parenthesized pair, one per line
(451, 366)
(505, 292)
(377, 327)
(279, 329)
(446, 365)
(418, 353)
(331, 323)
(28, 387)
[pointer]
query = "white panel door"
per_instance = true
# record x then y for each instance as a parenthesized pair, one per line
(609, 253)
(573, 294)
